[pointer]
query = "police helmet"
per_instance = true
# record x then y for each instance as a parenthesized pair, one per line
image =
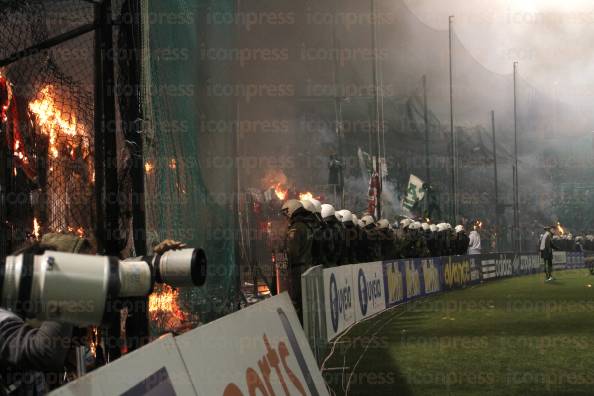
(290, 207)
(308, 205)
(327, 211)
(317, 205)
(367, 220)
(405, 222)
(383, 224)
(345, 216)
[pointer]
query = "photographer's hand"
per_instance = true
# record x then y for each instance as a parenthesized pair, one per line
(168, 244)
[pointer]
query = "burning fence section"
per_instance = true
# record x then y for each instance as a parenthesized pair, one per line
(66, 166)
(166, 313)
(49, 145)
(65, 175)
(277, 188)
(282, 193)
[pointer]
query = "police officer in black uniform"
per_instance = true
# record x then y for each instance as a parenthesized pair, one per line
(319, 242)
(461, 241)
(299, 244)
(337, 237)
(388, 241)
(370, 247)
(352, 240)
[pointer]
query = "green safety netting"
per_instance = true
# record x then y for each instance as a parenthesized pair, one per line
(189, 183)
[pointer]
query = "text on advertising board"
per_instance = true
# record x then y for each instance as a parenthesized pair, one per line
(340, 301)
(369, 291)
(430, 276)
(394, 283)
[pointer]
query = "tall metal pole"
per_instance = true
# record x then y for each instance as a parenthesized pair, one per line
(378, 208)
(237, 218)
(106, 179)
(454, 191)
(339, 133)
(131, 28)
(427, 165)
(137, 322)
(106, 173)
(495, 179)
(516, 231)
(426, 119)
(338, 110)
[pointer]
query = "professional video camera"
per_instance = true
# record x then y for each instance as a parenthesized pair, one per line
(75, 288)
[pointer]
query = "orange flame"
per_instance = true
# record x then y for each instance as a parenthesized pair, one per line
(19, 153)
(560, 228)
(5, 84)
(93, 341)
(80, 231)
(165, 302)
(305, 196)
(53, 122)
(36, 228)
(263, 290)
(280, 192)
(148, 167)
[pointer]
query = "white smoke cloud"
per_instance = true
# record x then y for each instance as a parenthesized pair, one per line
(551, 39)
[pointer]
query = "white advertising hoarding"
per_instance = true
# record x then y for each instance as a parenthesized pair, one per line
(339, 295)
(369, 289)
(155, 369)
(261, 350)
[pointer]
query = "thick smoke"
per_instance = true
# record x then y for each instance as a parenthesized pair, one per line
(325, 57)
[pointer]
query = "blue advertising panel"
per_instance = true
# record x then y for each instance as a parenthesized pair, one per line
(527, 264)
(339, 299)
(488, 264)
(461, 271)
(394, 282)
(431, 269)
(412, 273)
(370, 297)
(575, 260)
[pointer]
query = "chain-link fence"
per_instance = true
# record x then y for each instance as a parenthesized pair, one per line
(48, 134)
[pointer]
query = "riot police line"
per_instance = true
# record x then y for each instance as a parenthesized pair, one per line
(319, 235)
(340, 237)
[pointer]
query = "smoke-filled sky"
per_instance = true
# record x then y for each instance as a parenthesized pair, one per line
(552, 39)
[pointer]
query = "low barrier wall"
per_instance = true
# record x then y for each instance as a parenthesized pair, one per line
(258, 350)
(336, 298)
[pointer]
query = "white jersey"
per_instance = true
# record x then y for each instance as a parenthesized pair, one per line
(474, 246)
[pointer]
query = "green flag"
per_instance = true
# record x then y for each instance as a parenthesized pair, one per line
(414, 193)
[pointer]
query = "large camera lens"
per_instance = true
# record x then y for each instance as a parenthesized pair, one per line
(180, 268)
(59, 286)
(74, 288)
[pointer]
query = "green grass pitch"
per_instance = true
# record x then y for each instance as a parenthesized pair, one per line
(518, 336)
